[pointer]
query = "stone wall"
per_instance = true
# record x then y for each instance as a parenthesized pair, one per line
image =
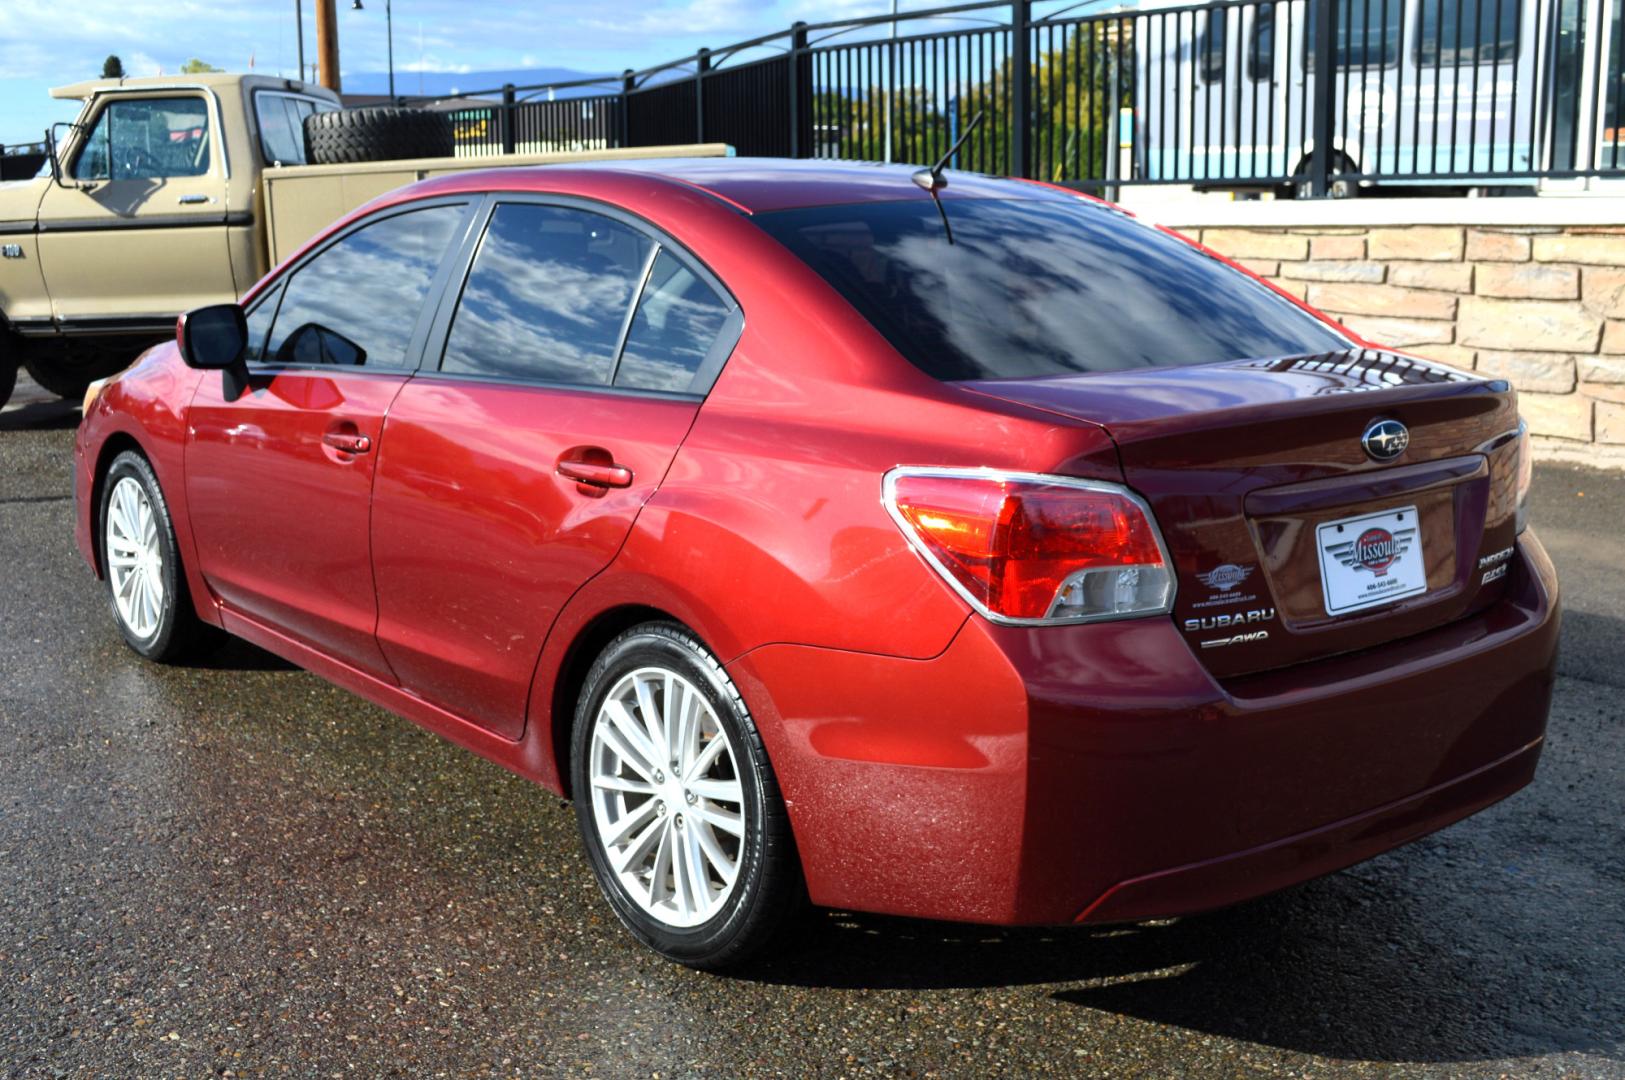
(1540, 305)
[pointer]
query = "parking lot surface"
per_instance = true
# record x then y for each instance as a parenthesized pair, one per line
(239, 870)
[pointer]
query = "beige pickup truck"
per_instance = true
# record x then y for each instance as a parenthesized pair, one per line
(167, 194)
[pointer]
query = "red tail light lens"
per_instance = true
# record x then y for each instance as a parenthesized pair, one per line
(1028, 548)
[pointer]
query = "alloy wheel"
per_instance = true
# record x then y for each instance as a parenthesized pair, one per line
(135, 560)
(667, 803)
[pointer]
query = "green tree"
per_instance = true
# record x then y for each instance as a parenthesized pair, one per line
(112, 68)
(195, 66)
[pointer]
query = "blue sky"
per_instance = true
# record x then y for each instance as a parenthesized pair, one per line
(51, 42)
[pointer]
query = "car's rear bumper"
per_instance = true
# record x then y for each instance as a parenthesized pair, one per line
(1099, 772)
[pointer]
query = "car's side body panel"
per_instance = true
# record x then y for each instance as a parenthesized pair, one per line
(281, 518)
(478, 540)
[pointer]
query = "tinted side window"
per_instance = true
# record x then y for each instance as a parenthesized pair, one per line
(1469, 33)
(1212, 56)
(358, 301)
(147, 139)
(1261, 61)
(677, 322)
(547, 296)
(1365, 34)
(259, 323)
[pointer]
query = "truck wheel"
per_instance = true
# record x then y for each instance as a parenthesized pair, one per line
(68, 374)
(376, 133)
(8, 374)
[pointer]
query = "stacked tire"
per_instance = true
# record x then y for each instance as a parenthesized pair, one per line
(376, 133)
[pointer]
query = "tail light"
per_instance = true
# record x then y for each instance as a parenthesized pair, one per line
(1526, 474)
(1025, 548)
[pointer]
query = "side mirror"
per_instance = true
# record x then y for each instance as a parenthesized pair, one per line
(215, 338)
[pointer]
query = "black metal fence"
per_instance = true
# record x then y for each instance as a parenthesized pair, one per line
(1232, 93)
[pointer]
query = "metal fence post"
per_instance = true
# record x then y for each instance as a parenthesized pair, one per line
(1320, 161)
(508, 141)
(702, 64)
(628, 84)
(798, 46)
(1020, 85)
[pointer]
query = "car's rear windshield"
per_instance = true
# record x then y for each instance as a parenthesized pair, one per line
(1039, 287)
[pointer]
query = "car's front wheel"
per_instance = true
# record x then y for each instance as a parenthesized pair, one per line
(677, 802)
(146, 586)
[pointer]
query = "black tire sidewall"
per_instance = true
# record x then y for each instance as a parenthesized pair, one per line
(715, 942)
(132, 465)
(377, 133)
(8, 372)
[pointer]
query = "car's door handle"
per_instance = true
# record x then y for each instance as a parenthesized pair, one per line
(192, 200)
(595, 474)
(347, 442)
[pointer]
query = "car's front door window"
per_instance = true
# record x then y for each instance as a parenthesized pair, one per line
(147, 139)
(547, 296)
(357, 303)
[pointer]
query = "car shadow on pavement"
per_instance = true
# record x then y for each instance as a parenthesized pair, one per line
(1337, 968)
(52, 415)
(239, 655)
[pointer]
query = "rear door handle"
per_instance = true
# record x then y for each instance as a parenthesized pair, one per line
(596, 475)
(192, 200)
(349, 443)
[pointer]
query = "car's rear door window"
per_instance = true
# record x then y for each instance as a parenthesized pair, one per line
(1039, 287)
(547, 296)
(358, 301)
(679, 321)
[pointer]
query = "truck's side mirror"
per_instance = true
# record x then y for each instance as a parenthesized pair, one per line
(215, 338)
(54, 148)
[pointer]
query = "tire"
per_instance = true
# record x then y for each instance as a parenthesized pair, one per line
(703, 921)
(167, 630)
(376, 133)
(68, 373)
(8, 372)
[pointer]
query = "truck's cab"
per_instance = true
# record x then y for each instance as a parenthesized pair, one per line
(83, 284)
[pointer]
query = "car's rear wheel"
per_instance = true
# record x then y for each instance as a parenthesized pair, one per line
(677, 802)
(145, 585)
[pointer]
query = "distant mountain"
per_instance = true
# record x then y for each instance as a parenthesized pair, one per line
(447, 83)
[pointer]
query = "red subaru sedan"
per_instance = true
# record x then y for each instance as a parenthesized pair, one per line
(964, 549)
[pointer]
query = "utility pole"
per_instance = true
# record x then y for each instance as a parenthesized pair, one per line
(327, 44)
(299, 30)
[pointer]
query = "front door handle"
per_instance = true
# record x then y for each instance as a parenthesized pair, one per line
(192, 200)
(596, 474)
(347, 442)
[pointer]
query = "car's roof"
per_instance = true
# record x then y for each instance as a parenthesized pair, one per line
(758, 185)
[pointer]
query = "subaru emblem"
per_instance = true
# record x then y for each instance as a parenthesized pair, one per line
(1386, 439)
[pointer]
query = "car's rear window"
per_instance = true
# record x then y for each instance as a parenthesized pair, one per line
(1039, 287)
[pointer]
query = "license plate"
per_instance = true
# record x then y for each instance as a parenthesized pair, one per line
(1371, 559)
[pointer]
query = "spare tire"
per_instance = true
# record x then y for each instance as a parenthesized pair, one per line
(376, 133)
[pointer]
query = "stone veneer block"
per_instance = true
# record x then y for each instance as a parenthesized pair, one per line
(1428, 243)
(1384, 300)
(1496, 247)
(1533, 281)
(1536, 325)
(1552, 373)
(1563, 416)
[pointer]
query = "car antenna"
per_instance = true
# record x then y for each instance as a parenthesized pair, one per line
(933, 181)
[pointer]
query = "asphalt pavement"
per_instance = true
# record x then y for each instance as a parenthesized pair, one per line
(239, 870)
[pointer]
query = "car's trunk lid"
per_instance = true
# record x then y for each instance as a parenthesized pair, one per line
(1289, 540)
